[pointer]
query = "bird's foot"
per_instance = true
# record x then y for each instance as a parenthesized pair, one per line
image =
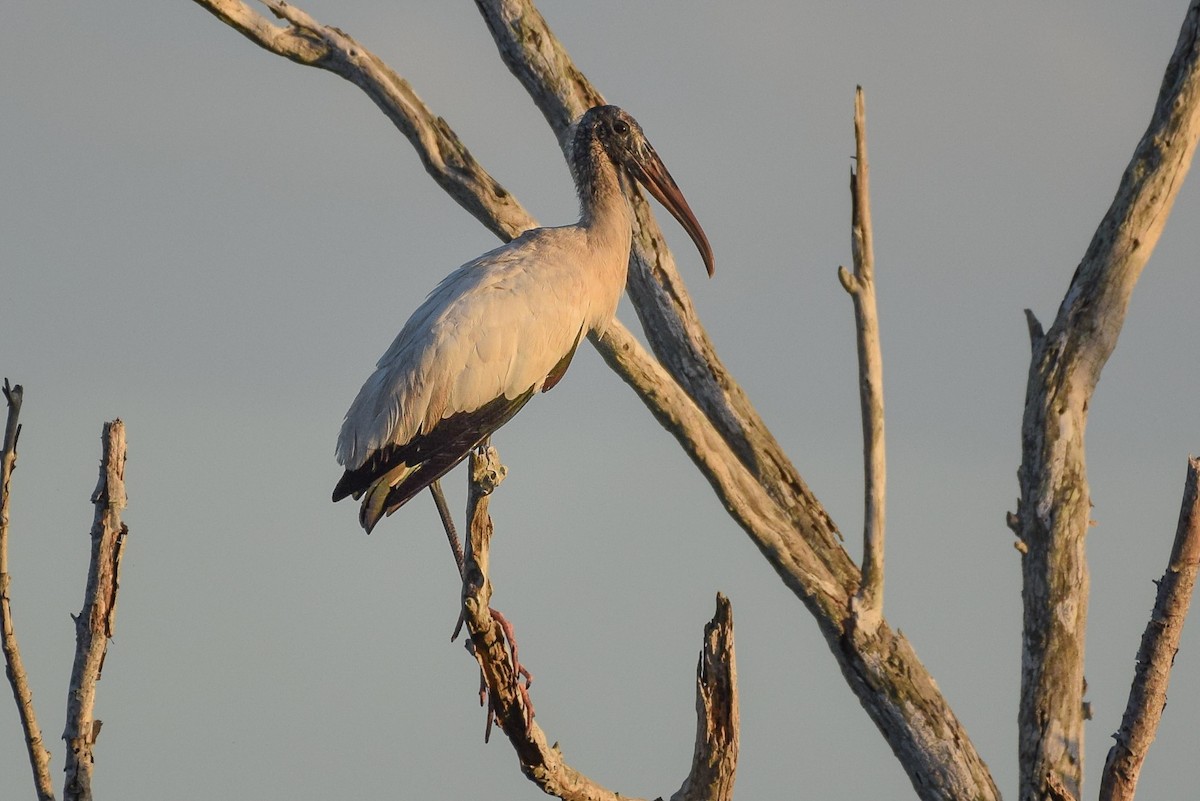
(519, 672)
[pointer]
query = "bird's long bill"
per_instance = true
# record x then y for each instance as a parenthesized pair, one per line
(653, 175)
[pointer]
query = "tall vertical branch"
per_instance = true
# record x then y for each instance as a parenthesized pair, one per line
(861, 286)
(94, 625)
(39, 757)
(1155, 657)
(1054, 508)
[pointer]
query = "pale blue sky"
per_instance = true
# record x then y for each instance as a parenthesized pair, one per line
(216, 244)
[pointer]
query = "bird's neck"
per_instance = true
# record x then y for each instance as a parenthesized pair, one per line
(603, 211)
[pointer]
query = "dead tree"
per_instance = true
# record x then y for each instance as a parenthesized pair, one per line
(688, 390)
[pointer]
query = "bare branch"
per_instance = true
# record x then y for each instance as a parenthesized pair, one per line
(446, 159)
(714, 763)
(868, 601)
(1054, 508)
(543, 764)
(94, 625)
(39, 757)
(1156, 656)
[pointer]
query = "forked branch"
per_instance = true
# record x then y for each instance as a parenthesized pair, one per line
(1054, 510)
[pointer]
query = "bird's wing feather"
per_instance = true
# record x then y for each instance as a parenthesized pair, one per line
(415, 465)
(495, 327)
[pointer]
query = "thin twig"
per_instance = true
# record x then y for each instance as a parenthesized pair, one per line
(868, 600)
(94, 625)
(39, 757)
(1156, 656)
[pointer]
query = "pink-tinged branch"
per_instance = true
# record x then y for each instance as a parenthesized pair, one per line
(715, 759)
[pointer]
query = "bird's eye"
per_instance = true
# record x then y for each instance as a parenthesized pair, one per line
(621, 127)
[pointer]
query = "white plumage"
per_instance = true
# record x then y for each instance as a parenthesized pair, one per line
(502, 327)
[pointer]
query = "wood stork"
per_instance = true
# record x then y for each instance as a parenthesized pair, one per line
(503, 327)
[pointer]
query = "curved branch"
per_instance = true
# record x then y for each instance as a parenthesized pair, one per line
(1054, 508)
(446, 159)
(1156, 656)
(715, 760)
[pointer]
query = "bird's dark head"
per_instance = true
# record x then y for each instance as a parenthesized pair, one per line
(621, 138)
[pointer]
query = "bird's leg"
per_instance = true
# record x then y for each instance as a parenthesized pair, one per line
(439, 499)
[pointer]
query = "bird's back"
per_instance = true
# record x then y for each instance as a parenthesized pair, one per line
(494, 328)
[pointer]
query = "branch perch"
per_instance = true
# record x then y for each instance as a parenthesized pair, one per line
(1155, 657)
(94, 625)
(1054, 508)
(39, 756)
(868, 601)
(715, 760)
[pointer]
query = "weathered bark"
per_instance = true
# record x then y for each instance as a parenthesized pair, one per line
(94, 625)
(868, 601)
(714, 762)
(39, 756)
(1155, 657)
(1054, 508)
